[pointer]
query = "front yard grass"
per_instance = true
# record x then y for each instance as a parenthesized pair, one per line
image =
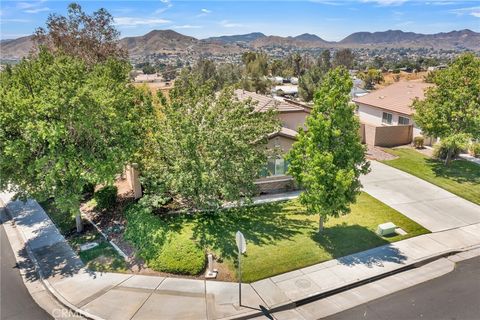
(462, 177)
(280, 236)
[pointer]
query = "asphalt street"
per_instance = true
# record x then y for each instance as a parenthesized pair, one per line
(15, 300)
(453, 296)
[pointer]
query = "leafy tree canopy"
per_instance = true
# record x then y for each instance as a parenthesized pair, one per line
(64, 124)
(212, 146)
(328, 158)
(93, 38)
(452, 106)
(371, 78)
(345, 58)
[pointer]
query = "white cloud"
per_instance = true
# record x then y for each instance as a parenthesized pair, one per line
(471, 11)
(228, 24)
(206, 11)
(329, 2)
(404, 24)
(15, 20)
(167, 4)
(386, 2)
(186, 26)
(27, 5)
(37, 10)
(133, 21)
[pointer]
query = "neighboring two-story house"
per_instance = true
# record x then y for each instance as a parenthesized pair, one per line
(386, 114)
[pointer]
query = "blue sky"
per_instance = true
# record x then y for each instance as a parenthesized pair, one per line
(331, 20)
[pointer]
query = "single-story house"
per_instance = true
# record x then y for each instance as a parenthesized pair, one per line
(386, 114)
(292, 116)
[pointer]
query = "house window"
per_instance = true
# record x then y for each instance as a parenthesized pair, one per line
(403, 120)
(387, 118)
(275, 167)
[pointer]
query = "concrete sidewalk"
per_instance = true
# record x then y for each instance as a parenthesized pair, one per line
(126, 296)
(433, 207)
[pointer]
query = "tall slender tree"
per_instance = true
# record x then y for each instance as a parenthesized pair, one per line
(328, 157)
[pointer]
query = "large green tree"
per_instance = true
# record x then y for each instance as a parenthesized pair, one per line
(345, 58)
(309, 83)
(452, 107)
(212, 146)
(65, 124)
(371, 78)
(255, 72)
(328, 158)
(92, 38)
(207, 72)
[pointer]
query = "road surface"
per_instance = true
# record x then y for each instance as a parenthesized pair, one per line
(455, 295)
(15, 300)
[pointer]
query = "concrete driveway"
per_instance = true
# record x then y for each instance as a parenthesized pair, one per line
(434, 208)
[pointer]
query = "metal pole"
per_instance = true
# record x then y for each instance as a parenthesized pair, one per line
(239, 278)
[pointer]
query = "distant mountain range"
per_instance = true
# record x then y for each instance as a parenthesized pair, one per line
(171, 42)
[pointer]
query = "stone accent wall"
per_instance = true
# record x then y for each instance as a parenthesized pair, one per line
(276, 184)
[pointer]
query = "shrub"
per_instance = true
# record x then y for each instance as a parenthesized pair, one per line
(418, 142)
(106, 197)
(475, 149)
(180, 255)
(88, 188)
(440, 151)
(162, 242)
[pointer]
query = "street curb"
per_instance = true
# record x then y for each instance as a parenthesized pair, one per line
(247, 315)
(325, 294)
(41, 276)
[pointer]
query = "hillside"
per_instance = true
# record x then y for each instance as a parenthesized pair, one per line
(15, 48)
(158, 41)
(171, 42)
(249, 37)
(462, 39)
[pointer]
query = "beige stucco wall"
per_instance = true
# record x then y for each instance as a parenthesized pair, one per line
(390, 136)
(293, 120)
(284, 144)
(372, 115)
(370, 132)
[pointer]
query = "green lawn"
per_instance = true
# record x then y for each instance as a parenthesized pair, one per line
(280, 236)
(461, 177)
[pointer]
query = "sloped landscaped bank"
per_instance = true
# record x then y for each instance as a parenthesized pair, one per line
(280, 237)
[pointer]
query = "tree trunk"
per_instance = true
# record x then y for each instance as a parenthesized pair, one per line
(320, 224)
(78, 222)
(448, 158)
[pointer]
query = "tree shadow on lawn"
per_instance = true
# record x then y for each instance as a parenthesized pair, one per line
(346, 243)
(460, 171)
(262, 225)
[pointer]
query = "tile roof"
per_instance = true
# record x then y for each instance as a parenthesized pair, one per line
(396, 97)
(266, 103)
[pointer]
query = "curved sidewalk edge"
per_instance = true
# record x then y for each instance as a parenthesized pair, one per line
(124, 296)
(22, 241)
